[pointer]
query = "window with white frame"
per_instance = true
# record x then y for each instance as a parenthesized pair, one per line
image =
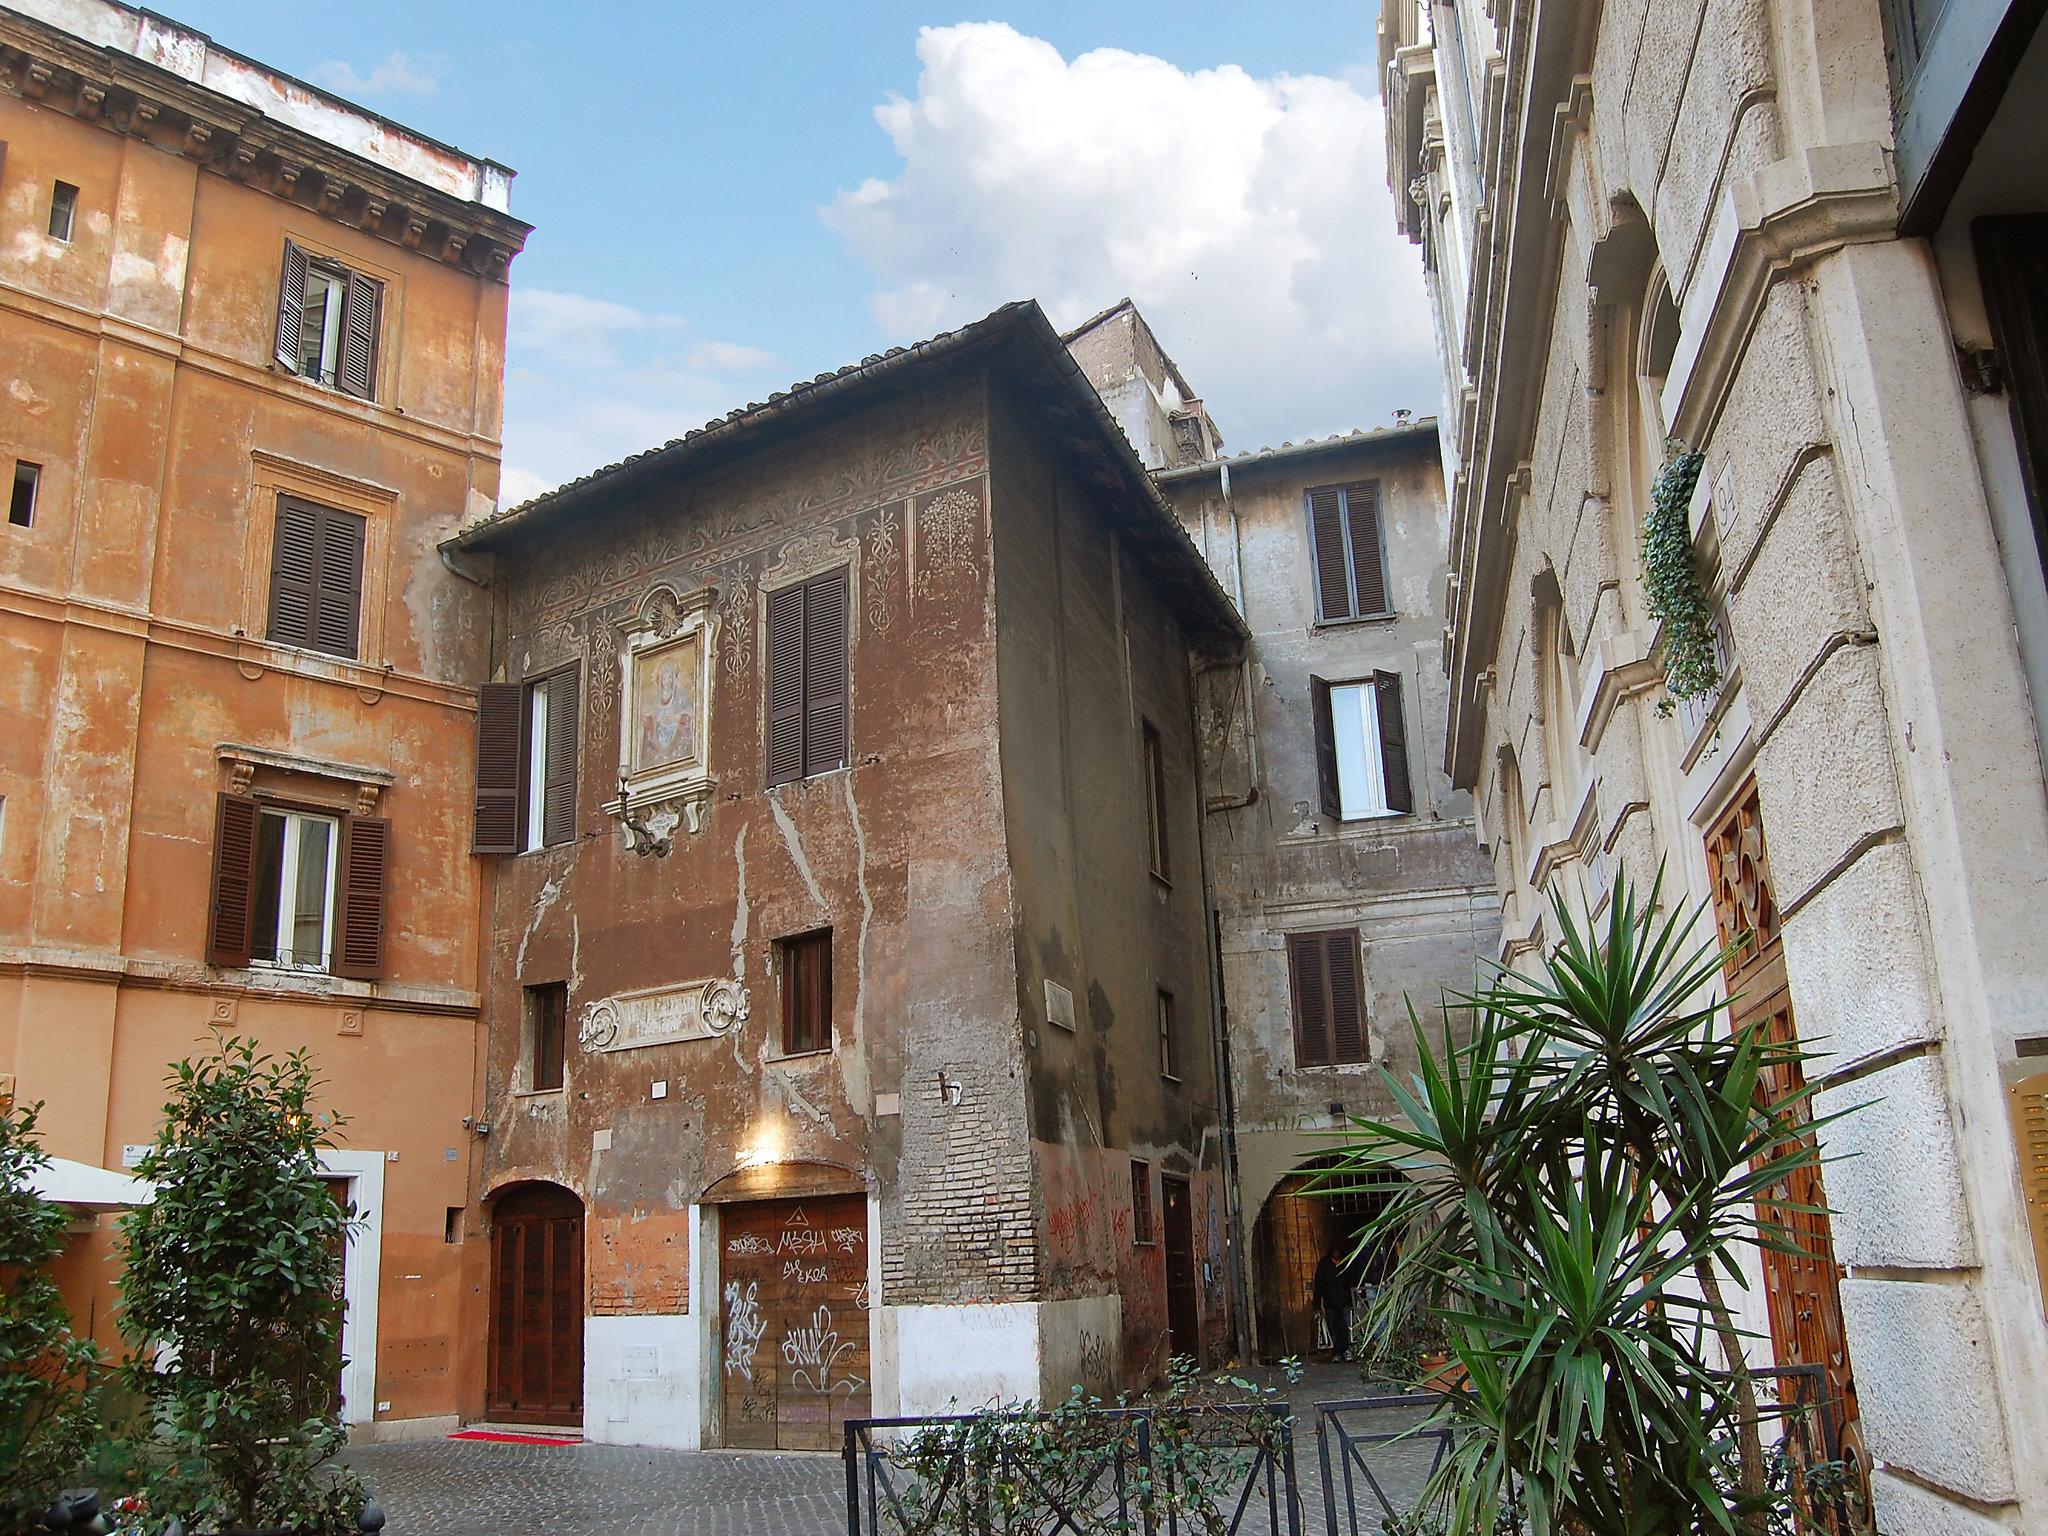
(1362, 747)
(293, 894)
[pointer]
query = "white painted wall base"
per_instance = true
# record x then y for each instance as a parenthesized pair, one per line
(641, 1382)
(956, 1358)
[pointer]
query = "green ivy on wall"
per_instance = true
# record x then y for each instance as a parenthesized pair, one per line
(1677, 597)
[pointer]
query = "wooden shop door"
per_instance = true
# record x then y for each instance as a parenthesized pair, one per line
(793, 1321)
(1177, 1225)
(1802, 1291)
(536, 1306)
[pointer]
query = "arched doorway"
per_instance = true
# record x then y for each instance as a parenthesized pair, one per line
(1294, 1230)
(536, 1306)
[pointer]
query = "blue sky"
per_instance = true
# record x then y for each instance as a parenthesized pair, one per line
(731, 196)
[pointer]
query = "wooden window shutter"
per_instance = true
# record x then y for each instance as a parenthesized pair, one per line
(1326, 747)
(1306, 984)
(499, 717)
(1368, 565)
(291, 306)
(294, 572)
(784, 657)
(1326, 549)
(362, 304)
(365, 861)
(825, 672)
(2030, 1143)
(338, 591)
(1386, 691)
(1347, 1003)
(558, 792)
(234, 872)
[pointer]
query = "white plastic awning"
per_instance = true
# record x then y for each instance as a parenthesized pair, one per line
(63, 1182)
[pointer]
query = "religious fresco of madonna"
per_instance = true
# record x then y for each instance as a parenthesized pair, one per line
(665, 722)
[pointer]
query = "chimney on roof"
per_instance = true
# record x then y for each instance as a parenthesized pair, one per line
(1164, 419)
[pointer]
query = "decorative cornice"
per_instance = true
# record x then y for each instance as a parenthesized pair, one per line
(128, 96)
(1789, 213)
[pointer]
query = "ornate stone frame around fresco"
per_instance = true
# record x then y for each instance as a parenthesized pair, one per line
(669, 794)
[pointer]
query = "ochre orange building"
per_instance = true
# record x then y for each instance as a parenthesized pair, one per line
(251, 352)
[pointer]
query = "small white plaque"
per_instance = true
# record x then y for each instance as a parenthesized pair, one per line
(133, 1152)
(601, 1141)
(1059, 1005)
(888, 1104)
(660, 1088)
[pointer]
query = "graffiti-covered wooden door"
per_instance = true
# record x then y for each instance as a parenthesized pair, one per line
(793, 1321)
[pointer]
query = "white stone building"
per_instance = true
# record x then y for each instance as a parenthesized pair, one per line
(1805, 238)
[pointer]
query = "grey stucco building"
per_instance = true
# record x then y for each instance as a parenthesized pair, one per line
(1345, 869)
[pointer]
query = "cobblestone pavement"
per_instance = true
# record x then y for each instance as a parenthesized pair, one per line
(481, 1488)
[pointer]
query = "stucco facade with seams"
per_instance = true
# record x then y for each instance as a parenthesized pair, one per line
(152, 186)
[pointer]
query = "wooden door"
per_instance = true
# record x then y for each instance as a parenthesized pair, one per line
(1802, 1290)
(537, 1306)
(1177, 1224)
(793, 1321)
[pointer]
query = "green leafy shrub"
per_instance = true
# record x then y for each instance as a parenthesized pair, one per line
(1182, 1454)
(1676, 596)
(232, 1298)
(48, 1375)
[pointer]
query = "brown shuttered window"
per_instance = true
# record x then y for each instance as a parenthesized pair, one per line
(547, 1013)
(291, 306)
(328, 322)
(1327, 986)
(1169, 1038)
(807, 678)
(316, 577)
(1156, 849)
(1143, 1233)
(825, 672)
(807, 993)
(362, 304)
(500, 712)
(1393, 724)
(558, 778)
(234, 867)
(1345, 548)
(365, 872)
(1326, 748)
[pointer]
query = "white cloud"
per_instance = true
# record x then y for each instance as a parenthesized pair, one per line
(727, 356)
(1249, 219)
(589, 381)
(396, 74)
(574, 330)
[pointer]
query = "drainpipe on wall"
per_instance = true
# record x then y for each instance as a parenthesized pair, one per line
(1219, 1041)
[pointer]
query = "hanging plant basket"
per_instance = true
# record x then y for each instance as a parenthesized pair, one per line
(1677, 597)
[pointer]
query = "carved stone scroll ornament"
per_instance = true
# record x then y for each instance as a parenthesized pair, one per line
(696, 1010)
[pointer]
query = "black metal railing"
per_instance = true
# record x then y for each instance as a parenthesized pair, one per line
(1352, 1434)
(1218, 1471)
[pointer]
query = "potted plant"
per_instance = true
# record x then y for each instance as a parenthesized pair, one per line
(232, 1300)
(48, 1375)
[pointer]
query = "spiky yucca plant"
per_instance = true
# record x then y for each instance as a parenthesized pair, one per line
(1581, 1176)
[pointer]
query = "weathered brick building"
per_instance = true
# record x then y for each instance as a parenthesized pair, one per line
(853, 999)
(251, 341)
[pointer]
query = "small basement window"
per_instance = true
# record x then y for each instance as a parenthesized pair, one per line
(21, 504)
(63, 210)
